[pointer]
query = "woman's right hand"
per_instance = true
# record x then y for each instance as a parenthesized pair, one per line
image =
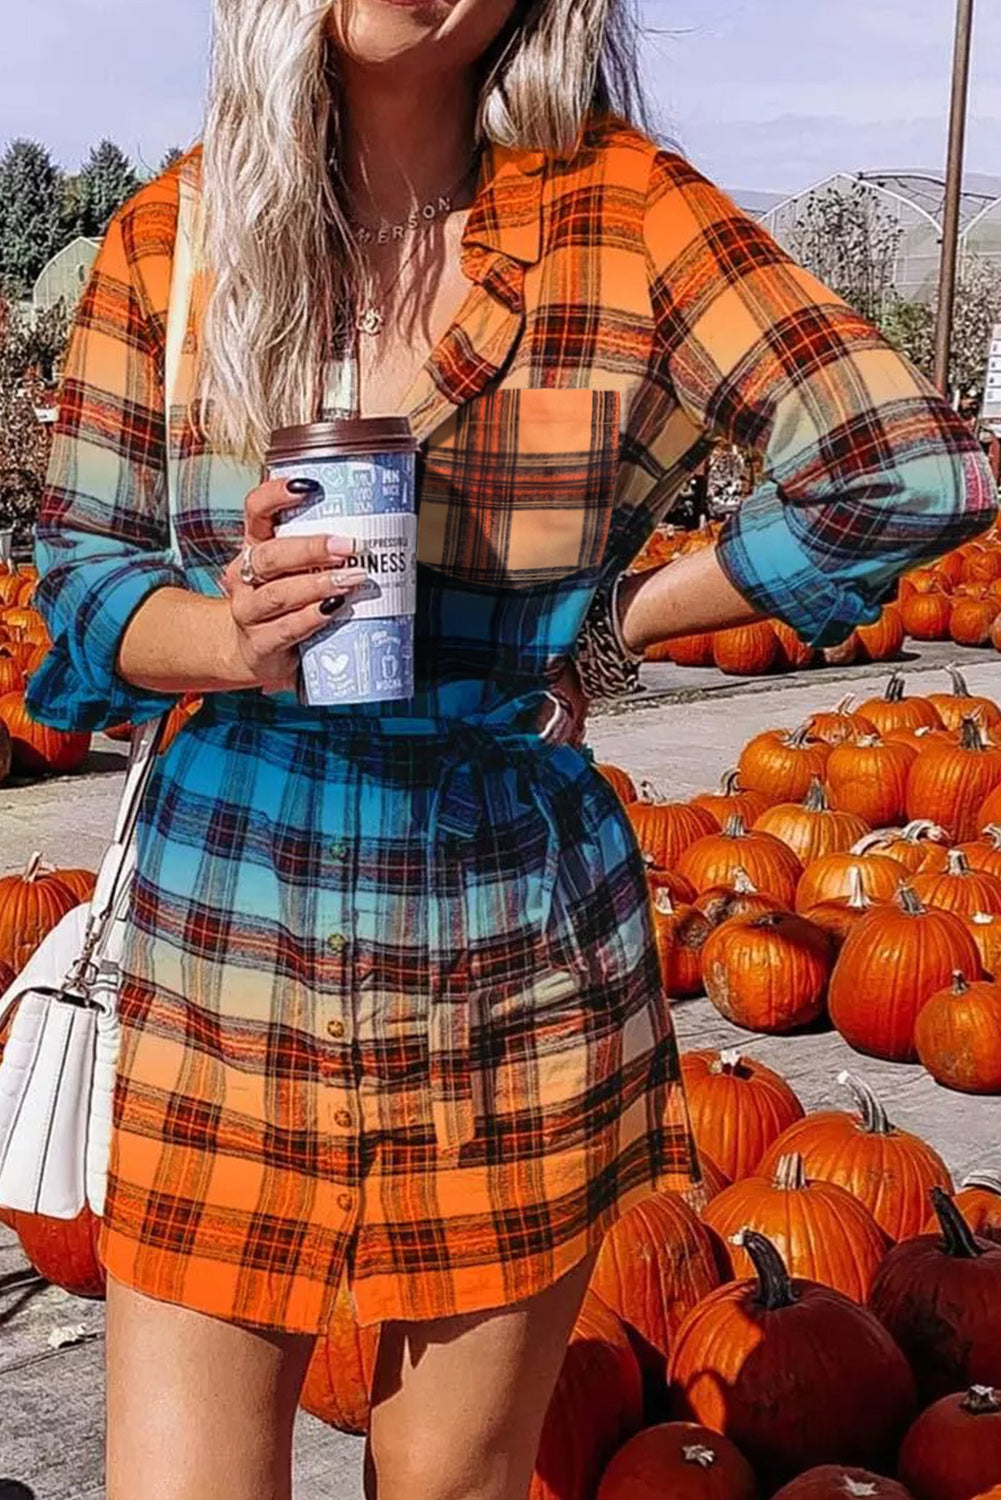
(298, 574)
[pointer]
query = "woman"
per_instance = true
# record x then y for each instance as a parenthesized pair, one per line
(391, 1005)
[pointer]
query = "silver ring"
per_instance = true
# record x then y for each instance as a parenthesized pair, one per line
(247, 573)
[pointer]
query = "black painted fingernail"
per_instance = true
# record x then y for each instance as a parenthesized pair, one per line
(303, 486)
(327, 606)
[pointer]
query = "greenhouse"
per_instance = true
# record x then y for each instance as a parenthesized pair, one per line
(916, 200)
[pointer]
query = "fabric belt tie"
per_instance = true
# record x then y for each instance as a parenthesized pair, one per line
(458, 809)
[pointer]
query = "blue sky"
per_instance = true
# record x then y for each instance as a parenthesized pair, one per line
(766, 94)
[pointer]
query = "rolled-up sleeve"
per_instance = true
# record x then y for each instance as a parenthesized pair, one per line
(866, 469)
(102, 540)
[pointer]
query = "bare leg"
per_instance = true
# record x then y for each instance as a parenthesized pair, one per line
(198, 1409)
(458, 1404)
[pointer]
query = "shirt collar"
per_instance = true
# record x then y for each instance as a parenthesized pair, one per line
(506, 212)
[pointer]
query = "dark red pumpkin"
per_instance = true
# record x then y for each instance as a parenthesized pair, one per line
(792, 1372)
(836, 1482)
(940, 1298)
(953, 1449)
(678, 1461)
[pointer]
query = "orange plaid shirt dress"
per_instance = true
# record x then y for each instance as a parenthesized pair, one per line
(391, 1003)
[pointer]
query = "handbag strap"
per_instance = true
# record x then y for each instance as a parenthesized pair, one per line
(113, 878)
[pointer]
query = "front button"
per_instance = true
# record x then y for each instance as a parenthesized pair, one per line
(342, 1118)
(335, 1028)
(338, 850)
(337, 942)
(344, 1201)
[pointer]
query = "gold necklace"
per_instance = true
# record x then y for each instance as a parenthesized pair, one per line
(371, 316)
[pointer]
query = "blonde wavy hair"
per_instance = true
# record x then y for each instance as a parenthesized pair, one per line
(284, 270)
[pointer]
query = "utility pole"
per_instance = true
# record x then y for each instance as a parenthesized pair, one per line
(953, 191)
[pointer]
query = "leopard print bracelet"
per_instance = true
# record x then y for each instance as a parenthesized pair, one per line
(605, 665)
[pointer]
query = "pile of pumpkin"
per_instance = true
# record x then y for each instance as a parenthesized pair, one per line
(821, 1313)
(957, 598)
(26, 747)
(849, 869)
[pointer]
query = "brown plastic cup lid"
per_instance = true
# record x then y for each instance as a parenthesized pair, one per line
(345, 436)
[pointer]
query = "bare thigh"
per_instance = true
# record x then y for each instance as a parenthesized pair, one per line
(198, 1409)
(458, 1404)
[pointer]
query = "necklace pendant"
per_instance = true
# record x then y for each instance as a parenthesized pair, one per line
(369, 320)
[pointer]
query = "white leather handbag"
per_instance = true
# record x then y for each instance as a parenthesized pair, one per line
(57, 1073)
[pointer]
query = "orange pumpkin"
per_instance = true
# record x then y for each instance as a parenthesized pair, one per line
(892, 962)
(64, 1251)
(840, 724)
(794, 1373)
(989, 811)
(832, 878)
(691, 650)
(782, 764)
(746, 650)
(678, 1461)
(793, 653)
(11, 675)
(715, 859)
(948, 783)
(838, 917)
(953, 1450)
(958, 887)
(984, 853)
(741, 898)
(844, 654)
(680, 932)
(620, 781)
(812, 828)
(889, 1170)
(663, 829)
(655, 1264)
(970, 621)
(979, 1201)
(882, 640)
(338, 1383)
(732, 800)
(31, 904)
(926, 616)
(917, 846)
(869, 778)
(894, 711)
(985, 929)
(738, 1107)
(680, 890)
(960, 704)
(822, 1233)
(958, 1036)
(767, 973)
(35, 746)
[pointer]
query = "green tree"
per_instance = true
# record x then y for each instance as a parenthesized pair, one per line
(910, 326)
(850, 242)
(108, 180)
(32, 226)
(31, 351)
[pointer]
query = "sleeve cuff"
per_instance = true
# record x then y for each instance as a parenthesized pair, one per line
(767, 565)
(77, 686)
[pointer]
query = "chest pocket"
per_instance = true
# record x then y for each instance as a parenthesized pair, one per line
(517, 486)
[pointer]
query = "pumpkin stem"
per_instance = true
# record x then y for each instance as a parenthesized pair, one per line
(858, 900)
(735, 827)
(959, 687)
(972, 735)
(790, 1174)
(989, 1181)
(875, 1120)
(992, 834)
(648, 792)
(801, 737)
(877, 840)
(909, 901)
(742, 883)
(662, 901)
(728, 1060)
(981, 1401)
(957, 1237)
(923, 828)
(845, 706)
(859, 1488)
(960, 983)
(33, 868)
(894, 688)
(956, 863)
(775, 1288)
(816, 798)
(730, 783)
(698, 1453)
